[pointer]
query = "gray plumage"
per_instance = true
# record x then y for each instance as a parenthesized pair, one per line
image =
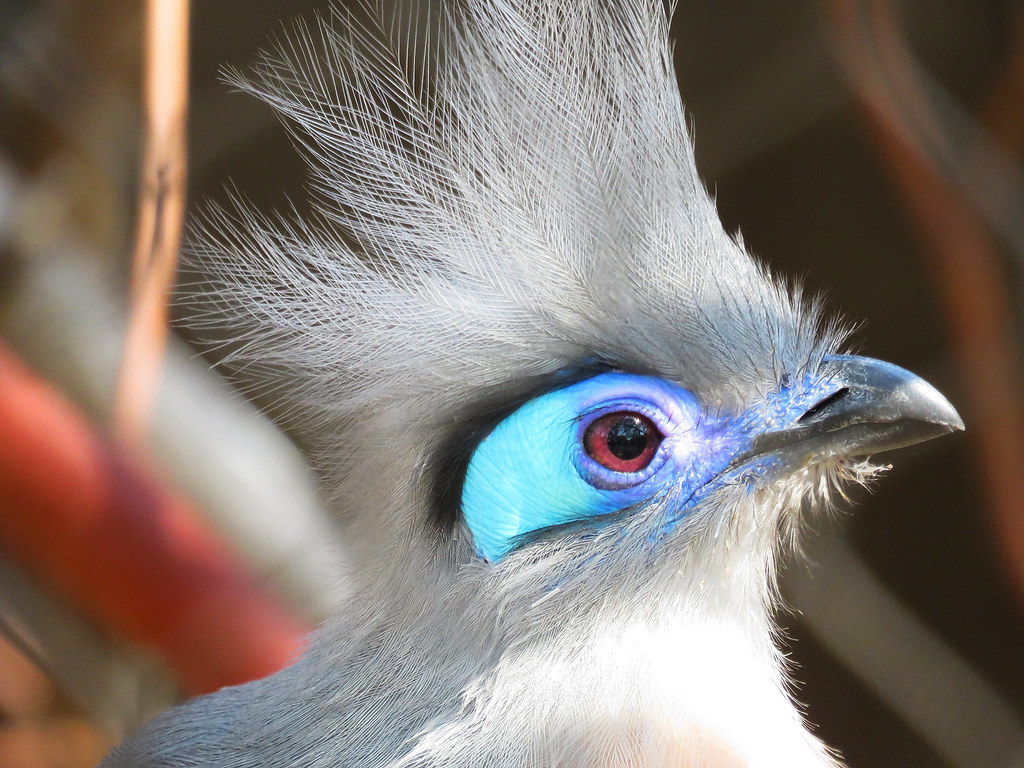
(534, 207)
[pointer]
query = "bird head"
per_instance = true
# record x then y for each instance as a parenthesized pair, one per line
(546, 391)
(516, 330)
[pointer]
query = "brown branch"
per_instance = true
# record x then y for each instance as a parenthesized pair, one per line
(161, 211)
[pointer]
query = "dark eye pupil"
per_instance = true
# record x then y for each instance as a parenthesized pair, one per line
(622, 441)
(627, 438)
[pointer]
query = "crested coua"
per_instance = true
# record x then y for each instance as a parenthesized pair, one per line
(567, 423)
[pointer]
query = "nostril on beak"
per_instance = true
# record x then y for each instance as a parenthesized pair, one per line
(824, 404)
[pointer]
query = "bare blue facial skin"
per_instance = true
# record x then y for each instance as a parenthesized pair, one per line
(532, 471)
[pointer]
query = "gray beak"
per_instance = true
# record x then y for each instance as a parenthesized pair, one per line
(873, 406)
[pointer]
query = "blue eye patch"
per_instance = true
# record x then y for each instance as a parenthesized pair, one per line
(587, 450)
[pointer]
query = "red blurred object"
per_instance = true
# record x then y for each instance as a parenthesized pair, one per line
(129, 553)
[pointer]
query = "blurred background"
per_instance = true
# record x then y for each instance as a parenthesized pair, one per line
(871, 149)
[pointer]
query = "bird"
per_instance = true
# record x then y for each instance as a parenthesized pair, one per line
(567, 423)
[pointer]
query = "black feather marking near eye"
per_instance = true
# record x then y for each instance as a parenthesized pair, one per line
(451, 459)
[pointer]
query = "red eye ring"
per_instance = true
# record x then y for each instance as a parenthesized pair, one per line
(622, 441)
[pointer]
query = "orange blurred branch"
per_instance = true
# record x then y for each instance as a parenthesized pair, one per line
(161, 210)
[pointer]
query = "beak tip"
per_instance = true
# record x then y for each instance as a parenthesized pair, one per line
(926, 404)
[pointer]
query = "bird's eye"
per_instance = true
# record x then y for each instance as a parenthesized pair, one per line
(623, 441)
